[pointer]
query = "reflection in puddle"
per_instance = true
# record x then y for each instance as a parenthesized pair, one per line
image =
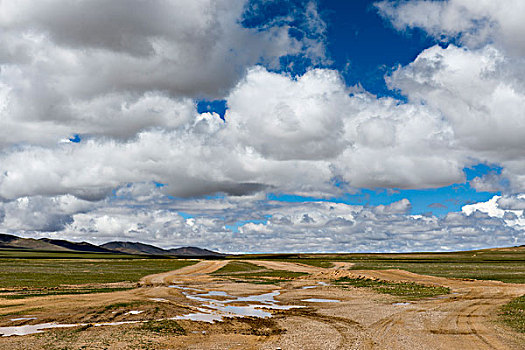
(39, 328)
(214, 309)
(23, 319)
(31, 328)
(133, 312)
(315, 300)
(398, 304)
(318, 284)
(160, 300)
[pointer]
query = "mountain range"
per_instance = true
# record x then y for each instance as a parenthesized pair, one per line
(136, 248)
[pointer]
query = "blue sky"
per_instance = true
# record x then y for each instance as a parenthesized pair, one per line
(364, 47)
(264, 125)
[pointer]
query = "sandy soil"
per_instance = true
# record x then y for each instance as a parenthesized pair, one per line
(362, 319)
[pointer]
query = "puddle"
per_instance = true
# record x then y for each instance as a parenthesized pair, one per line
(160, 300)
(184, 288)
(39, 328)
(317, 285)
(398, 304)
(31, 329)
(315, 300)
(214, 309)
(23, 319)
(133, 312)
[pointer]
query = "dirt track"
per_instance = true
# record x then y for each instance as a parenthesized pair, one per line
(362, 319)
(199, 271)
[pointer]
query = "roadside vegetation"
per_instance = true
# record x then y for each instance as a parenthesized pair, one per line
(513, 314)
(407, 290)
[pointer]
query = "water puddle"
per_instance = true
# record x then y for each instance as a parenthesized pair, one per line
(39, 328)
(308, 287)
(399, 304)
(315, 300)
(217, 305)
(23, 319)
(133, 312)
(31, 328)
(159, 300)
(318, 284)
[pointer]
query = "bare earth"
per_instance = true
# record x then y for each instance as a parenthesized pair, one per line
(363, 319)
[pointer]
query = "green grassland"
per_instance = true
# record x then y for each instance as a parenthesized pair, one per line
(513, 314)
(406, 290)
(505, 264)
(42, 254)
(25, 277)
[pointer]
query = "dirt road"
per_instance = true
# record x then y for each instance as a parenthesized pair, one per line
(199, 271)
(360, 319)
(461, 320)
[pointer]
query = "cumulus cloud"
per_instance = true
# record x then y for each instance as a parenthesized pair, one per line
(476, 82)
(130, 96)
(308, 132)
(265, 226)
(115, 69)
(475, 23)
(510, 209)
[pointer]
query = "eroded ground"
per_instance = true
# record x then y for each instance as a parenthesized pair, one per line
(334, 318)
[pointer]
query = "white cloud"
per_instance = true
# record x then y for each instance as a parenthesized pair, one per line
(270, 226)
(116, 69)
(475, 22)
(508, 208)
(130, 92)
(476, 92)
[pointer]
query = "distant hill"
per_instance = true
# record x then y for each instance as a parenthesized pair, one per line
(78, 247)
(59, 245)
(134, 248)
(141, 248)
(194, 251)
(14, 242)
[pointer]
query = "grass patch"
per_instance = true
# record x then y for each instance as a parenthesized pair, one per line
(22, 312)
(513, 314)
(23, 295)
(13, 253)
(129, 304)
(407, 290)
(280, 274)
(11, 305)
(236, 266)
(509, 272)
(313, 262)
(164, 327)
(261, 281)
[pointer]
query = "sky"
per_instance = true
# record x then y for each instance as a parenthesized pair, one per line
(264, 125)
